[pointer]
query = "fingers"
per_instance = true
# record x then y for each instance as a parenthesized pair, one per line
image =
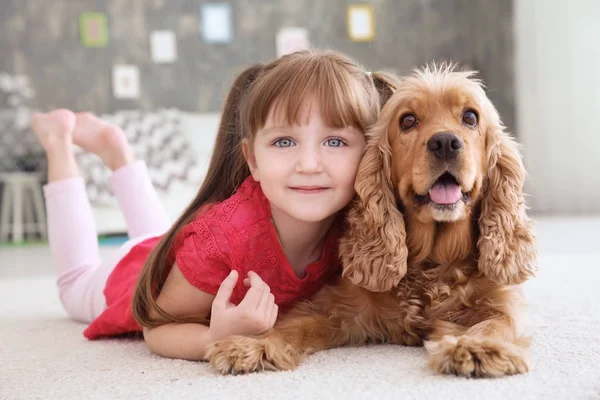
(255, 293)
(252, 277)
(255, 279)
(274, 311)
(266, 301)
(226, 289)
(258, 307)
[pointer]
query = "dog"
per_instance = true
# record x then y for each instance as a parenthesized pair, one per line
(437, 242)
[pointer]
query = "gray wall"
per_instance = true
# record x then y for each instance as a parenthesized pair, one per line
(40, 39)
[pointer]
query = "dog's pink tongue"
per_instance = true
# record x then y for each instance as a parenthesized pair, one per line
(448, 193)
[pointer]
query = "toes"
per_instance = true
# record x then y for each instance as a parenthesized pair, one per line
(84, 115)
(63, 118)
(280, 356)
(91, 131)
(476, 358)
(250, 355)
(55, 122)
(36, 116)
(54, 129)
(231, 357)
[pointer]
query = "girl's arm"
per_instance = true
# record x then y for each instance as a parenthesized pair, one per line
(180, 340)
(255, 314)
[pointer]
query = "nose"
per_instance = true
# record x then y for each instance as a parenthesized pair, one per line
(309, 161)
(445, 145)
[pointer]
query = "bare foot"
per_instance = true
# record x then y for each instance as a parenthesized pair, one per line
(103, 139)
(54, 131)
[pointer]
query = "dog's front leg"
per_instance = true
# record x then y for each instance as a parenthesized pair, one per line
(309, 327)
(490, 348)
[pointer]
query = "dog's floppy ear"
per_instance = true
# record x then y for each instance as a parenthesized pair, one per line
(507, 250)
(373, 249)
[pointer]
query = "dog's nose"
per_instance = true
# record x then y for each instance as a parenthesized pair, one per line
(445, 145)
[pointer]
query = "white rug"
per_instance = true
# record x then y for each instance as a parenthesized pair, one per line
(44, 355)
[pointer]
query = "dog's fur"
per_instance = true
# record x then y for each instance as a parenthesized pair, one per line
(413, 272)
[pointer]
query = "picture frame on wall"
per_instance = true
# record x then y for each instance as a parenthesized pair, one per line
(361, 22)
(216, 23)
(163, 47)
(93, 29)
(126, 81)
(290, 40)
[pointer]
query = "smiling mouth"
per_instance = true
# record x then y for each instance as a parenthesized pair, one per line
(444, 194)
(309, 189)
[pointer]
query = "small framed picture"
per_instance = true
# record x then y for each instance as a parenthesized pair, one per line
(163, 47)
(215, 23)
(290, 40)
(361, 23)
(93, 29)
(126, 81)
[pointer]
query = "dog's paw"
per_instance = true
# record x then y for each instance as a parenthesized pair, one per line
(241, 354)
(476, 357)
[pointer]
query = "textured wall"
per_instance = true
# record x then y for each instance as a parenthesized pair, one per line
(40, 39)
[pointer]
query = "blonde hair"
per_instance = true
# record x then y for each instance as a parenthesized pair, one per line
(346, 95)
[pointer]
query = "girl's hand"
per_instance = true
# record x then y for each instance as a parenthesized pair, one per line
(255, 314)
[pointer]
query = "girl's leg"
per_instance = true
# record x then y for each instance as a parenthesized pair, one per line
(139, 203)
(71, 227)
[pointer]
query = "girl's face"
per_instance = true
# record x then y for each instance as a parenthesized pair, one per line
(306, 171)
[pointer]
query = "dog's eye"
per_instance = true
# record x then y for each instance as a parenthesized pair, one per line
(407, 122)
(470, 118)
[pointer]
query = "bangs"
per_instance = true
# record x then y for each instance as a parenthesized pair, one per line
(311, 81)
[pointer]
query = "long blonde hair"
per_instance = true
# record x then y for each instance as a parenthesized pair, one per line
(347, 96)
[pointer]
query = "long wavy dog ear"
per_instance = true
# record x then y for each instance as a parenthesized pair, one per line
(507, 249)
(373, 249)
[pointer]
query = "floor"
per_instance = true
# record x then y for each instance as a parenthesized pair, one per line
(43, 354)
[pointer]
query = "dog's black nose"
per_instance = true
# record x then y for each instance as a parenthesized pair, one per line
(445, 145)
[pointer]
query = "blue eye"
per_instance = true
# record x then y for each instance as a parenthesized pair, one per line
(284, 142)
(335, 142)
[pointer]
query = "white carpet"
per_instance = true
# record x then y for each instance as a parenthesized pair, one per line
(44, 355)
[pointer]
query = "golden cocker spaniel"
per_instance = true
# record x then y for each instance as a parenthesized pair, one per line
(437, 238)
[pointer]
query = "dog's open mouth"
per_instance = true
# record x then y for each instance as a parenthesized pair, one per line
(445, 193)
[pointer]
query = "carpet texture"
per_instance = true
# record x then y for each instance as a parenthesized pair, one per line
(44, 355)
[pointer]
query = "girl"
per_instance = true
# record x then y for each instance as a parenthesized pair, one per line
(262, 231)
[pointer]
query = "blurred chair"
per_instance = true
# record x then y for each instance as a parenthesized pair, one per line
(23, 212)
